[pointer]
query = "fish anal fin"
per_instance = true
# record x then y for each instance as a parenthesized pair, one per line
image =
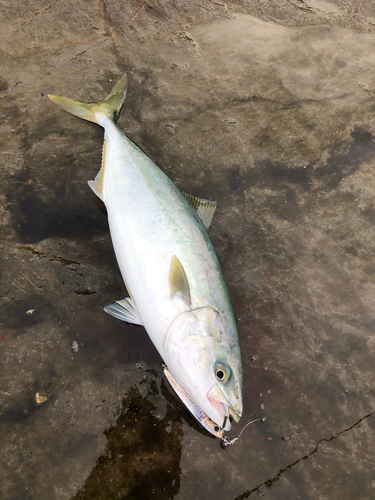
(124, 310)
(178, 282)
(97, 185)
(97, 188)
(205, 208)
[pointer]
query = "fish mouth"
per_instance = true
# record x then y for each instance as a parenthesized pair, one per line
(215, 422)
(224, 408)
(236, 415)
(229, 414)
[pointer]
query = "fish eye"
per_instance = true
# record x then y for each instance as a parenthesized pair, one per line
(216, 428)
(222, 372)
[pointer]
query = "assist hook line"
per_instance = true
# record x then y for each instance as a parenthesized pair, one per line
(226, 442)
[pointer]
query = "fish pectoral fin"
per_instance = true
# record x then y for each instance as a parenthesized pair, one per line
(124, 310)
(205, 208)
(178, 282)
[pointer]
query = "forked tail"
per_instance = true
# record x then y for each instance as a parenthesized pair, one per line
(110, 107)
(97, 112)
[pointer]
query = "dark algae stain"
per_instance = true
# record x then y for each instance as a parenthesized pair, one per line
(3, 85)
(235, 180)
(369, 214)
(279, 174)
(291, 183)
(65, 214)
(22, 407)
(18, 315)
(346, 158)
(20, 411)
(142, 456)
(86, 291)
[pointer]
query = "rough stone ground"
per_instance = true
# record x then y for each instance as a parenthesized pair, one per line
(266, 107)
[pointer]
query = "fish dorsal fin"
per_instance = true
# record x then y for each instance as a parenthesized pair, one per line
(178, 282)
(205, 208)
(98, 184)
(124, 310)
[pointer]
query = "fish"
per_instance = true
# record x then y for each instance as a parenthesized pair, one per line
(170, 269)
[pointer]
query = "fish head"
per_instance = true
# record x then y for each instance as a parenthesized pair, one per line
(204, 358)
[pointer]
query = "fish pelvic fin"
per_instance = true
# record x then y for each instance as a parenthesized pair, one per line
(125, 310)
(110, 107)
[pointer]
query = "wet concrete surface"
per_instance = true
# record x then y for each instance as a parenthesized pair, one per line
(268, 109)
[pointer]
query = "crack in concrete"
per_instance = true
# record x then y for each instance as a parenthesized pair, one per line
(138, 10)
(329, 451)
(56, 258)
(64, 262)
(48, 47)
(28, 19)
(303, 6)
(270, 482)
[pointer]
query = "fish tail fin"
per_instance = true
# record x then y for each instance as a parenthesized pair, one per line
(110, 107)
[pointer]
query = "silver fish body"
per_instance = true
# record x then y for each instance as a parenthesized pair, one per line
(170, 270)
